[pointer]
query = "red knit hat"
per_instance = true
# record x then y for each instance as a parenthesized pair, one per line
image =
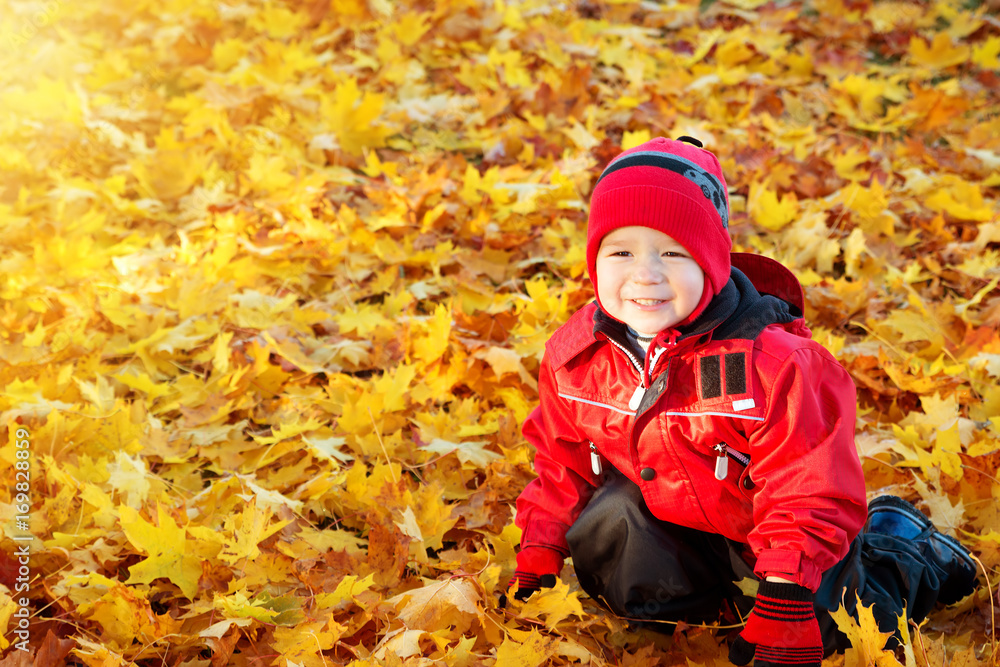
(675, 187)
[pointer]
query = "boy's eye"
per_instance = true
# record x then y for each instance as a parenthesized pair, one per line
(621, 253)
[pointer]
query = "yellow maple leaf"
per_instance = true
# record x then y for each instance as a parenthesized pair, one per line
(913, 326)
(245, 531)
(410, 27)
(870, 206)
(169, 174)
(189, 333)
(226, 53)
(35, 337)
(166, 547)
(47, 99)
(141, 382)
(409, 526)
(328, 449)
(867, 641)
(733, 52)
(429, 523)
(469, 452)
(937, 411)
(945, 515)
(986, 54)
(100, 393)
(766, 209)
(103, 515)
(124, 615)
(129, 477)
(240, 605)
(846, 164)
(268, 173)
(510, 64)
(7, 608)
(343, 595)
(353, 117)
(303, 644)
(633, 139)
(394, 387)
(363, 319)
(748, 5)
(887, 16)
(399, 643)
(533, 650)
(939, 54)
(429, 347)
(960, 199)
(553, 605)
(279, 22)
(285, 431)
(581, 136)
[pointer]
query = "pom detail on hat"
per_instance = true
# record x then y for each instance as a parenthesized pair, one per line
(675, 187)
(691, 140)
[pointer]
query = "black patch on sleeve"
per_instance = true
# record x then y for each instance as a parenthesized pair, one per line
(736, 373)
(711, 377)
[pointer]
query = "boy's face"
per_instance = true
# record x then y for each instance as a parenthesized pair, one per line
(646, 279)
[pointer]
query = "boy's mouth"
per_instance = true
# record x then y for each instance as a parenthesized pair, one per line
(647, 302)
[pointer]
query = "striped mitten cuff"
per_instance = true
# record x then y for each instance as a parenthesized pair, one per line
(781, 631)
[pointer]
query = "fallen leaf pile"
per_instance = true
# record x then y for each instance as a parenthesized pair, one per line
(276, 278)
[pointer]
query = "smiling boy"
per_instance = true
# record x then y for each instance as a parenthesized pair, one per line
(690, 434)
(647, 279)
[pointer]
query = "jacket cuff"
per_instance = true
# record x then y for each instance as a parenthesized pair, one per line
(789, 565)
(539, 561)
(550, 534)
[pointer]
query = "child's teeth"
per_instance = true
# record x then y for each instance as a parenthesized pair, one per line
(648, 302)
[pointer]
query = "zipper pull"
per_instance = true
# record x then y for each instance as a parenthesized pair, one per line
(595, 460)
(721, 462)
(636, 400)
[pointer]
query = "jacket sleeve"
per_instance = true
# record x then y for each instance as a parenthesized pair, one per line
(552, 501)
(811, 499)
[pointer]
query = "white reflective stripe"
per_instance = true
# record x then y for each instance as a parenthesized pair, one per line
(745, 404)
(600, 405)
(712, 414)
(671, 414)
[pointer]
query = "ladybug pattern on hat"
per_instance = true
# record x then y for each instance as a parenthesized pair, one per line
(710, 186)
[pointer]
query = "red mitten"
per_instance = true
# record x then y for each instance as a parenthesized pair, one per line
(537, 568)
(782, 630)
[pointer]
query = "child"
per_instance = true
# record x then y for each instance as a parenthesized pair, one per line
(690, 434)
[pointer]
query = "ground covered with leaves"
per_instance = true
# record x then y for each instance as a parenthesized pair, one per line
(276, 279)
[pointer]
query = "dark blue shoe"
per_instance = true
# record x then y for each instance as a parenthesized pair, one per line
(891, 515)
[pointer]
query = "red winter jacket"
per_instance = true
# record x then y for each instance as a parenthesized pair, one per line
(746, 385)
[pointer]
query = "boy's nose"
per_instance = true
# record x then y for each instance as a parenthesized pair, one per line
(646, 273)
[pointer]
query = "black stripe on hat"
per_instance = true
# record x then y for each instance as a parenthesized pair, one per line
(702, 179)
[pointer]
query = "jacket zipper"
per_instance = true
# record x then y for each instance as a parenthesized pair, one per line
(595, 459)
(723, 453)
(640, 391)
(635, 362)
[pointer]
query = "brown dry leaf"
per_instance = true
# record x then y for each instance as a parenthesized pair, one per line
(452, 602)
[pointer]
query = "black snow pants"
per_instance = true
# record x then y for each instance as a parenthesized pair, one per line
(643, 568)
